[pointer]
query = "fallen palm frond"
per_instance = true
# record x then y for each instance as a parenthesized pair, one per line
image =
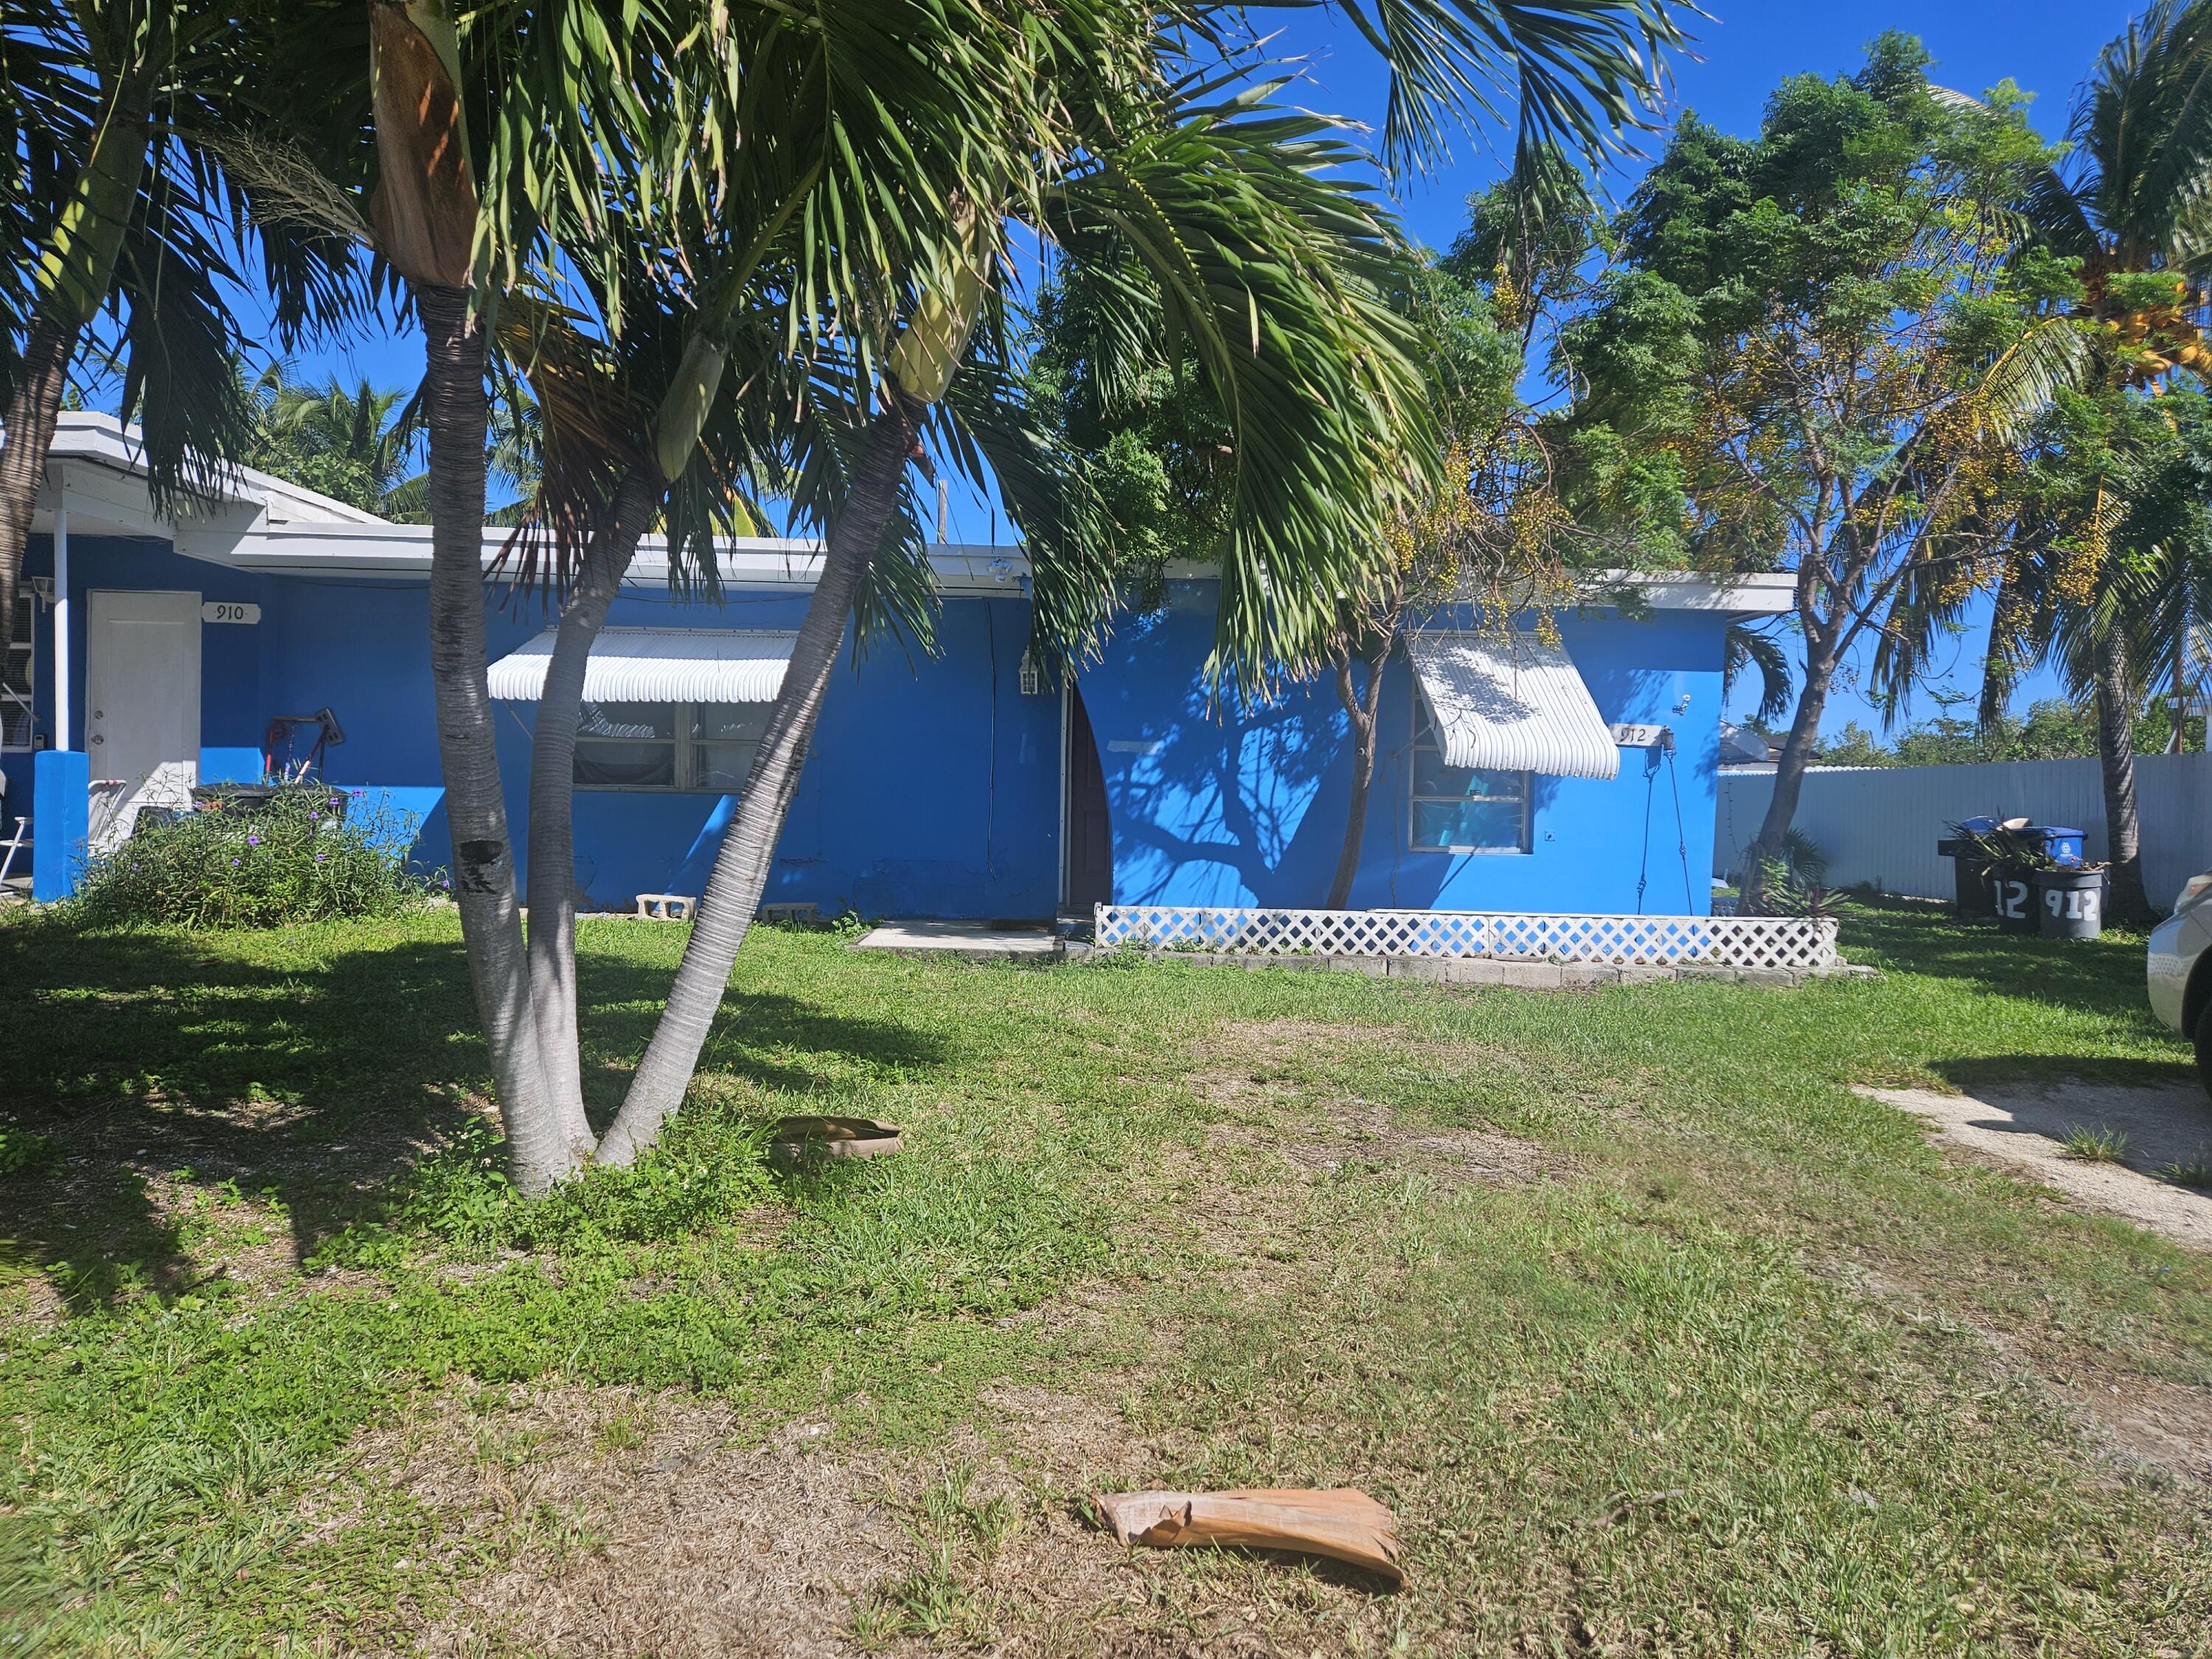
(1342, 1524)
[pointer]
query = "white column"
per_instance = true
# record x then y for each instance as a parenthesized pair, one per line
(61, 612)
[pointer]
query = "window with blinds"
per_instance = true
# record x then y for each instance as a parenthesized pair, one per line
(699, 748)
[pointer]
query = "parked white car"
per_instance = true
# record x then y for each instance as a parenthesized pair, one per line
(2181, 970)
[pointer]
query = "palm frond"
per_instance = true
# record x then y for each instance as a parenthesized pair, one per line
(1584, 73)
(1747, 649)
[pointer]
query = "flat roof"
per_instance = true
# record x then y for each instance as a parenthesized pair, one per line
(259, 523)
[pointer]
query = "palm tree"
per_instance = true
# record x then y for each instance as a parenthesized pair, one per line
(611, 135)
(1228, 216)
(2132, 205)
(121, 113)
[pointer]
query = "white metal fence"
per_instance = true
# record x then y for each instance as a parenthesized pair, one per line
(1787, 942)
(1879, 825)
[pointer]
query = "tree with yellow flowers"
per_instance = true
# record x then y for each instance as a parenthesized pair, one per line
(2130, 208)
(1815, 352)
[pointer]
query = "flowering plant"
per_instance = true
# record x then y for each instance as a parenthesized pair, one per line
(260, 860)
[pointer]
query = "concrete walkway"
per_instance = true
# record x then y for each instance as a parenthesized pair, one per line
(971, 940)
(2024, 1124)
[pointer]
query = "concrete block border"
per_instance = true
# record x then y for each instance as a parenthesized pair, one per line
(1520, 976)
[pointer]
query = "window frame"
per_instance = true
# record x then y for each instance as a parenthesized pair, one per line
(1425, 740)
(685, 765)
(27, 601)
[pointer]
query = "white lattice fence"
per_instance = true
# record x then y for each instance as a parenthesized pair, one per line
(1790, 942)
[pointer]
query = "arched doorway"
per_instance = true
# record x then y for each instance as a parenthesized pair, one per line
(1087, 857)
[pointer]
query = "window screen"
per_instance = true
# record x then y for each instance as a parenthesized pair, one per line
(1463, 809)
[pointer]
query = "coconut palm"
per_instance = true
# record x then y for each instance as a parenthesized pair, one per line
(122, 220)
(1231, 217)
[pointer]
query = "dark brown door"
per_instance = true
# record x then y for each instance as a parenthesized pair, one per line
(1090, 826)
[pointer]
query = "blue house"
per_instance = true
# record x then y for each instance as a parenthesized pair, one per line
(147, 657)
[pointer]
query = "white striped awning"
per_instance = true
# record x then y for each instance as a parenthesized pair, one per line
(657, 665)
(1511, 703)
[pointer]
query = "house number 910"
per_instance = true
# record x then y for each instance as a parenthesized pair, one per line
(229, 611)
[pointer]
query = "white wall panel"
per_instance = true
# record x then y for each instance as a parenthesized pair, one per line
(1880, 824)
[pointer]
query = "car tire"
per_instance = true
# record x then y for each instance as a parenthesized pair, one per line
(2204, 1047)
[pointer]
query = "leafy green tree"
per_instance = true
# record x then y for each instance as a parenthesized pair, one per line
(2121, 569)
(1817, 345)
(350, 444)
(1854, 746)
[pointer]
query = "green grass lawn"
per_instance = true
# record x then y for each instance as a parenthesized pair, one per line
(1657, 1337)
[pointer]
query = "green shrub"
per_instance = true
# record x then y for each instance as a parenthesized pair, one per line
(22, 1152)
(708, 1168)
(302, 857)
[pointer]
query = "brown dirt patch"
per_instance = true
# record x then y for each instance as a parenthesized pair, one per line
(1055, 1583)
(2148, 1420)
(1257, 1080)
(643, 1523)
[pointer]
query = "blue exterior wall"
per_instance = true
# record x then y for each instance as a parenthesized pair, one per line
(932, 788)
(1232, 807)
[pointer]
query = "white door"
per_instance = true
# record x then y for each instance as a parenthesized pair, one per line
(141, 716)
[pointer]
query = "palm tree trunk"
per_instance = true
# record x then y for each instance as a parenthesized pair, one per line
(457, 412)
(1361, 709)
(741, 868)
(34, 407)
(1998, 666)
(2127, 899)
(1789, 777)
(551, 879)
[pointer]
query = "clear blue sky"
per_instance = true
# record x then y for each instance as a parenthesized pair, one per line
(1740, 54)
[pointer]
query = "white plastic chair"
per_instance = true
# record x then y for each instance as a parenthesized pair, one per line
(9, 848)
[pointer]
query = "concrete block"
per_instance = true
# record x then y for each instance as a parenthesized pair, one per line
(1587, 975)
(1774, 978)
(1644, 974)
(1373, 967)
(1431, 968)
(1523, 976)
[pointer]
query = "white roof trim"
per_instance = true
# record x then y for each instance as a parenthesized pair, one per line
(1513, 704)
(89, 439)
(1755, 593)
(657, 665)
(748, 563)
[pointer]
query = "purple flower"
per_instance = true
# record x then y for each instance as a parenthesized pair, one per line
(361, 791)
(318, 858)
(253, 841)
(234, 862)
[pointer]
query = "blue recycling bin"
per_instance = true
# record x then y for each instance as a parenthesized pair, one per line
(2064, 845)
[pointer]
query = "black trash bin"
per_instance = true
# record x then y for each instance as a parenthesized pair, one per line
(2011, 897)
(1970, 870)
(2070, 903)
